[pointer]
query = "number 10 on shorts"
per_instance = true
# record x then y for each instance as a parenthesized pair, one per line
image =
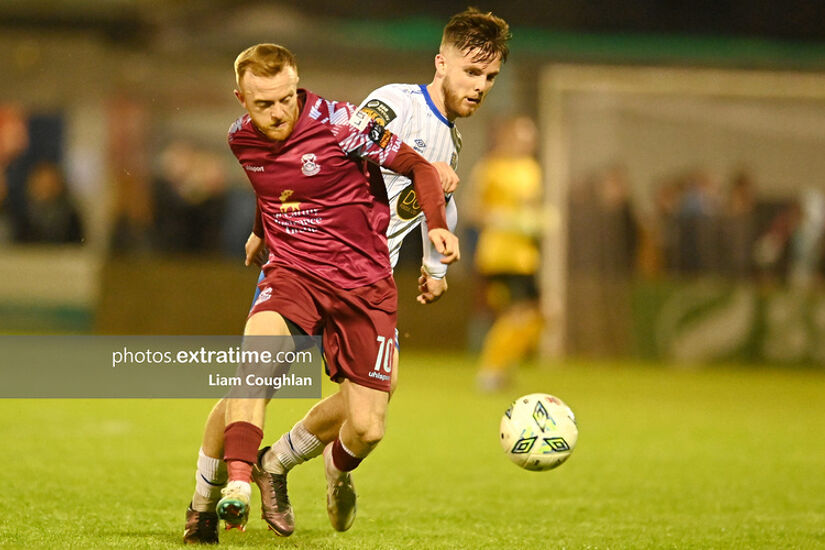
(385, 351)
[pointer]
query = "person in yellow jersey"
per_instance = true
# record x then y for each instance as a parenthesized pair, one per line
(508, 190)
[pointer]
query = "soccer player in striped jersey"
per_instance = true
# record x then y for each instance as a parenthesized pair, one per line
(473, 48)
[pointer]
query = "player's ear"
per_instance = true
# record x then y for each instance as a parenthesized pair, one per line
(440, 64)
(239, 95)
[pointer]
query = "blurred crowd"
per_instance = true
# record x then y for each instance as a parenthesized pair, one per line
(184, 200)
(189, 206)
(697, 223)
(701, 225)
(36, 205)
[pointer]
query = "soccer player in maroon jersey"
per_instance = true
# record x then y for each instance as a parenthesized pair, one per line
(329, 271)
(473, 49)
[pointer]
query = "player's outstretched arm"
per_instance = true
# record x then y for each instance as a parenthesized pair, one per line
(366, 137)
(426, 182)
(431, 198)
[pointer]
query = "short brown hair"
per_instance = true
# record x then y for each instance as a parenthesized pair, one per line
(474, 30)
(263, 60)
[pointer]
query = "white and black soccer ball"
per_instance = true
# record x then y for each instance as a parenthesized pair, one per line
(538, 432)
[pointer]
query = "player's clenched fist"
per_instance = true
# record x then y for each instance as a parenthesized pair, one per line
(449, 179)
(446, 243)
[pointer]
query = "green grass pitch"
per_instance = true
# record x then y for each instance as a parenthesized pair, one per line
(721, 457)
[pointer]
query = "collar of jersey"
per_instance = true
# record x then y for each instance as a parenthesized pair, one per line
(433, 108)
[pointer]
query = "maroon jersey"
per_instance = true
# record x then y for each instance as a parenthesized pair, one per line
(319, 212)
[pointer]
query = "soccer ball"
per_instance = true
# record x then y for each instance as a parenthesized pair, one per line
(538, 432)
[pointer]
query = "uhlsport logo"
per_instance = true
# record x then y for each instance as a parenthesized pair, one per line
(308, 165)
(287, 206)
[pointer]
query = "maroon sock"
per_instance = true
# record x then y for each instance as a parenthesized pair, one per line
(238, 470)
(240, 444)
(342, 459)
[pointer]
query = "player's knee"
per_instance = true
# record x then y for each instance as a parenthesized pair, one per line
(370, 433)
(373, 436)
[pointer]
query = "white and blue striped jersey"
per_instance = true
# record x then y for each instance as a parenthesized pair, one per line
(408, 111)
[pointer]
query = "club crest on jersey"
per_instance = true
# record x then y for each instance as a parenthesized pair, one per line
(420, 145)
(287, 206)
(407, 206)
(308, 165)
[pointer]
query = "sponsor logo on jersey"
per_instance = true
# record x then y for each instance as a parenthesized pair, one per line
(420, 145)
(454, 161)
(308, 165)
(289, 206)
(359, 121)
(407, 206)
(378, 375)
(250, 168)
(265, 295)
(379, 111)
(237, 125)
(374, 129)
(379, 135)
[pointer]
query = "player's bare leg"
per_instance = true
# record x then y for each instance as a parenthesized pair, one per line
(322, 424)
(325, 418)
(244, 432)
(362, 430)
(303, 442)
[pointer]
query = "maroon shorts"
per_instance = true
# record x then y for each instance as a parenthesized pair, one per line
(357, 325)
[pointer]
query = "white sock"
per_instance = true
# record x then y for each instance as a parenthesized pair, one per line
(210, 478)
(240, 486)
(294, 447)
